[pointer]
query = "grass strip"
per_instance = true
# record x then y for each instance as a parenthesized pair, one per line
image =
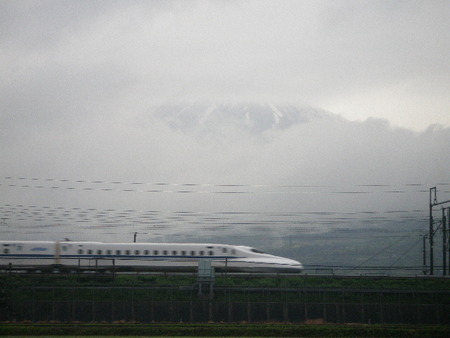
(222, 330)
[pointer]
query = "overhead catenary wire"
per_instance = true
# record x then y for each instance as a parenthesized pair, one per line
(216, 188)
(414, 245)
(293, 217)
(379, 252)
(337, 224)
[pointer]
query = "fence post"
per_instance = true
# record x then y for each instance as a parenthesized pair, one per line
(381, 307)
(53, 304)
(112, 304)
(306, 307)
(73, 304)
(34, 304)
(132, 305)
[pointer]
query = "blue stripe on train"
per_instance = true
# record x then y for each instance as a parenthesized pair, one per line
(130, 257)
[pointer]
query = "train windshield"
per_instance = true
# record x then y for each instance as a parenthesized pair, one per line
(257, 251)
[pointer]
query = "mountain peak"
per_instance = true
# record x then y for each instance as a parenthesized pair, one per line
(254, 117)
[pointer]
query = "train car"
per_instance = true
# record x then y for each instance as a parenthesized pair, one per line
(183, 257)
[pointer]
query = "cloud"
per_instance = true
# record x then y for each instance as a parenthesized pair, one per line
(317, 190)
(325, 151)
(79, 80)
(347, 57)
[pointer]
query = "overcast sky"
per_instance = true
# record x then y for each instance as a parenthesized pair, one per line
(79, 79)
(360, 59)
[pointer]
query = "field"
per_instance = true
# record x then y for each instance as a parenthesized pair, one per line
(224, 330)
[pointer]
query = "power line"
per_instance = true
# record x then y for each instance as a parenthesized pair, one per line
(380, 252)
(195, 187)
(407, 251)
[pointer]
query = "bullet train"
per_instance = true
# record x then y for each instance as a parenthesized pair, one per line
(73, 256)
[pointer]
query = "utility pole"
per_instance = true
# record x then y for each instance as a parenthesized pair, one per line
(444, 243)
(433, 203)
(424, 246)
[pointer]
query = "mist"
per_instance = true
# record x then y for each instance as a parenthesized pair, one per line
(274, 124)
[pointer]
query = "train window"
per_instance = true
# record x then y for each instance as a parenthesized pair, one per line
(155, 252)
(89, 252)
(233, 252)
(5, 251)
(257, 251)
(19, 248)
(192, 253)
(108, 252)
(211, 253)
(174, 253)
(136, 252)
(146, 252)
(202, 253)
(80, 251)
(99, 252)
(127, 252)
(118, 252)
(165, 252)
(183, 253)
(224, 250)
(64, 248)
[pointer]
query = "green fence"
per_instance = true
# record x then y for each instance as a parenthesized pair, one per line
(227, 304)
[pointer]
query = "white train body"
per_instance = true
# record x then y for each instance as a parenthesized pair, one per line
(41, 255)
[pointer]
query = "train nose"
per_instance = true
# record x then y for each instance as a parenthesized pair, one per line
(296, 266)
(299, 268)
(292, 265)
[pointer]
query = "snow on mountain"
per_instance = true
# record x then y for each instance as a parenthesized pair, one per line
(256, 118)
